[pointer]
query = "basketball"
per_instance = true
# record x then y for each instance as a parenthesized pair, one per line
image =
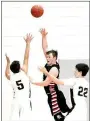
(37, 11)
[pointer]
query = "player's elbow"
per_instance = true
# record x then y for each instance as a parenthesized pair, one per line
(7, 76)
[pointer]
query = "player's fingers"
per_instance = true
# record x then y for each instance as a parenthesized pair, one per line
(40, 68)
(40, 30)
(30, 34)
(27, 35)
(6, 56)
(44, 29)
(32, 37)
(46, 33)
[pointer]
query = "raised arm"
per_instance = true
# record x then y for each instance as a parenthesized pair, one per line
(7, 70)
(44, 40)
(26, 55)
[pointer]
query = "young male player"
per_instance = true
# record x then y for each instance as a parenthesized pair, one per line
(80, 89)
(56, 99)
(20, 84)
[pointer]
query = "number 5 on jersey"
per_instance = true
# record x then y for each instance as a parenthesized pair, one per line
(19, 84)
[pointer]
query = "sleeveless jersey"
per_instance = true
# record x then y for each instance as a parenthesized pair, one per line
(44, 76)
(52, 91)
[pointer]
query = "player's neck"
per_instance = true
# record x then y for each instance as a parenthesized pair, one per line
(54, 62)
(80, 76)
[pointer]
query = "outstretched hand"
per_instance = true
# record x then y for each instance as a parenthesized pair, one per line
(43, 70)
(28, 38)
(7, 58)
(43, 32)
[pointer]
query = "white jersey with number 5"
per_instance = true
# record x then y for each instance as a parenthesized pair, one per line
(21, 86)
(21, 104)
(81, 92)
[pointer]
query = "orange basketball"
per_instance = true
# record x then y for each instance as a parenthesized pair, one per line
(37, 11)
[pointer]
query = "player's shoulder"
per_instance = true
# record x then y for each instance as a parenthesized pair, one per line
(53, 69)
(23, 74)
(72, 79)
(87, 82)
(84, 82)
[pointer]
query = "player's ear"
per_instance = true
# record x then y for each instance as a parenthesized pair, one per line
(55, 58)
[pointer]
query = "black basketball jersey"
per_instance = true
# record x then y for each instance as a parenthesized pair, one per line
(60, 95)
(48, 67)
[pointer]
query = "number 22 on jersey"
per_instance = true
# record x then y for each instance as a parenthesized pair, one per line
(82, 91)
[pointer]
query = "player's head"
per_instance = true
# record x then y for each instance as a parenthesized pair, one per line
(81, 70)
(51, 56)
(15, 67)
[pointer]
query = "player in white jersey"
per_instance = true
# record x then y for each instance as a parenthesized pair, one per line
(80, 89)
(20, 83)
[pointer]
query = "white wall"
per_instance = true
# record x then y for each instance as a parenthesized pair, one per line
(67, 24)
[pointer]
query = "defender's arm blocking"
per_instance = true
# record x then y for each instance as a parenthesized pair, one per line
(26, 55)
(48, 80)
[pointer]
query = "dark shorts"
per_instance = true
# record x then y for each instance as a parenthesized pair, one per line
(61, 102)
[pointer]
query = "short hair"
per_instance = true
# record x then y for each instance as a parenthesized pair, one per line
(15, 67)
(54, 53)
(82, 67)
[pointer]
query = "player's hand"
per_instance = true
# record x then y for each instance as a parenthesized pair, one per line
(43, 70)
(43, 32)
(7, 58)
(28, 38)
